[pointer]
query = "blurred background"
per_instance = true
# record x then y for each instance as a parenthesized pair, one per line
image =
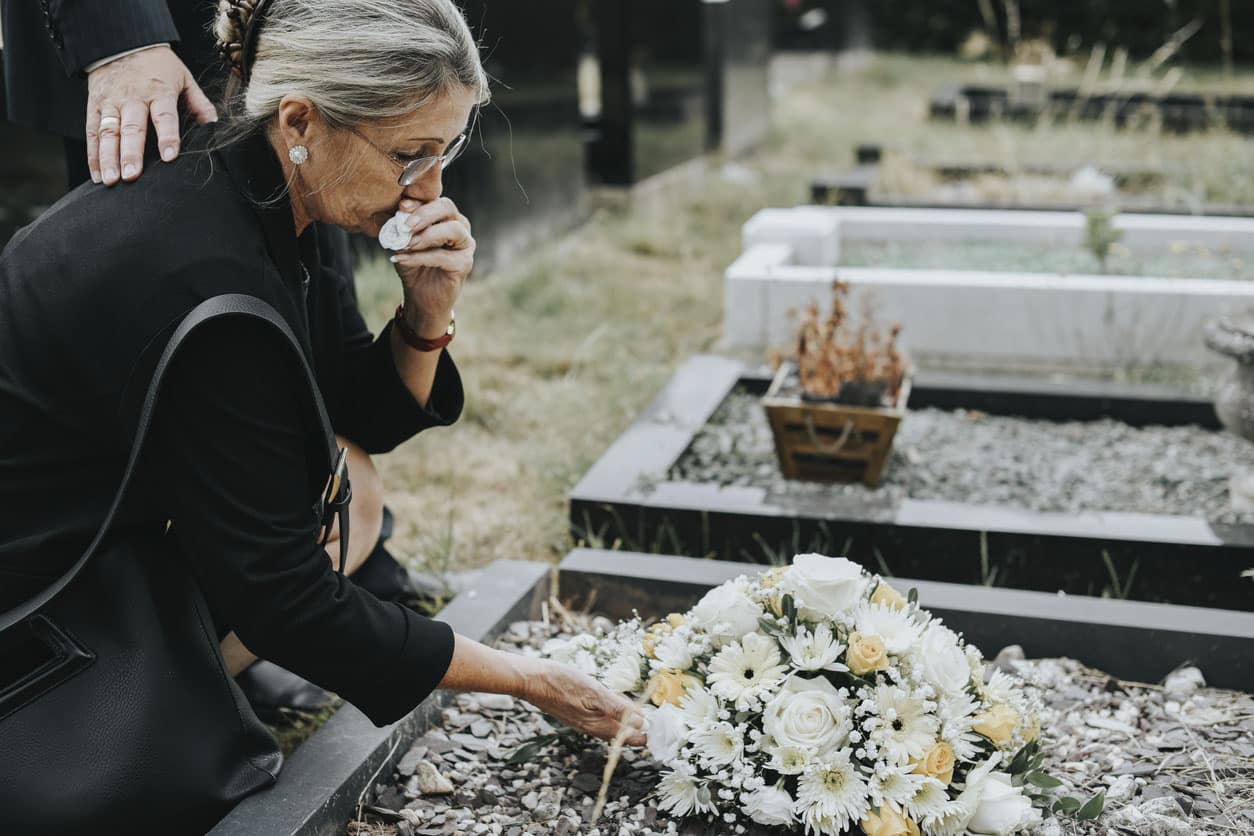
(629, 140)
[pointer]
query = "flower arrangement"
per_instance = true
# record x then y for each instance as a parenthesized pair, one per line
(816, 696)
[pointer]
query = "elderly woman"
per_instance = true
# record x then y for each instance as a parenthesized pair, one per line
(343, 112)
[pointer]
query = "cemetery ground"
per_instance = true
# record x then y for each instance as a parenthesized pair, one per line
(562, 346)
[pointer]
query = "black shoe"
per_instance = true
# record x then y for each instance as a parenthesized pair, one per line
(271, 689)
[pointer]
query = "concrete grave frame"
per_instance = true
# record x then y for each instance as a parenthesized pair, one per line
(966, 318)
(319, 787)
(626, 497)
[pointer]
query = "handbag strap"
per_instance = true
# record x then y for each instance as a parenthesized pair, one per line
(230, 304)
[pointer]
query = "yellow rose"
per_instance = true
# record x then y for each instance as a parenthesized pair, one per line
(777, 605)
(652, 636)
(998, 724)
(670, 685)
(938, 763)
(865, 654)
(888, 822)
(676, 620)
(885, 594)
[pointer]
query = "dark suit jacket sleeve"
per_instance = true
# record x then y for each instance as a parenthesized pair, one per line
(239, 458)
(84, 31)
(375, 409)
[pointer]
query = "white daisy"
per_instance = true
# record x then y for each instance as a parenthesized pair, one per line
(746, 670)
(787, 760)
(928, 801)
(721, 744)
(672, 652)
(1002, 687)
(906, 730)
(682, 796)
(699, 707)
(895, 786)
(623, 674)
(832, 796)
(952, 818)
(814, 651)
(956, 712)
(895, 627)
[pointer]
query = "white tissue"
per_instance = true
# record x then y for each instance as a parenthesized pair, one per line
(395, 233)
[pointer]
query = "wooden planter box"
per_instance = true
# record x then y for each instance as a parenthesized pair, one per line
(830, 442)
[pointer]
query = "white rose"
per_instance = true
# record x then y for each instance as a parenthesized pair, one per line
(944, 662)
(726, 613)
(1003, 808)
(584, 662)
(623, 674)
(666, 732)
(559, 650)
(824, 587)
(808, 714)
(772, 806)
(673, 652)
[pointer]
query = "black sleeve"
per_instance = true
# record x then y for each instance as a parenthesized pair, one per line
(84, 31)
(375, 409)
(235, 444)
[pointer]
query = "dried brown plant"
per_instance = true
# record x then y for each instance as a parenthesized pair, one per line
(832, 351)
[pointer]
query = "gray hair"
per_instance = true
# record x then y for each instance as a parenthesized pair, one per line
(355, 60)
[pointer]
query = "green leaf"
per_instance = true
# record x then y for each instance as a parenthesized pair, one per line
(530, 748)
(1066, 805)
(1019, 763)
(1092, 808)
(1043, 780)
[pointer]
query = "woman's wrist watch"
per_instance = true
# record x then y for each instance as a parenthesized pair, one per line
(416, 342)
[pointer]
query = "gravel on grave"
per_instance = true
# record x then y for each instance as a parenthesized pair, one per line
(1173, 760)
(967, 456)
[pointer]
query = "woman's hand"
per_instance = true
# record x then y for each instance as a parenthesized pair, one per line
(434, 266)
(582, 703)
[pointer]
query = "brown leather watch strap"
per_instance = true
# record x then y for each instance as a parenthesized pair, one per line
(411, 338)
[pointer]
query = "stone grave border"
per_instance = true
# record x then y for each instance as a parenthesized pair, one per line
(1180, 112)
(988, 319)
(625, 496)
(855, 186)
(319, 785)
(318, 788)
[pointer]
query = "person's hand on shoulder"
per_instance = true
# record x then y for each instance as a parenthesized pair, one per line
(123, 96)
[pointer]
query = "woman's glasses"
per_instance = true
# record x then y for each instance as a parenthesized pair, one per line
(411, 170)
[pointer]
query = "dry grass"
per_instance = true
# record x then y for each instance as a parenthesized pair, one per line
(561, 349)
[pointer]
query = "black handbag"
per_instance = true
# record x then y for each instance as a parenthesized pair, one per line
(117, 714)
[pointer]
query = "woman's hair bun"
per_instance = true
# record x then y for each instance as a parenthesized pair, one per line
(231, 30)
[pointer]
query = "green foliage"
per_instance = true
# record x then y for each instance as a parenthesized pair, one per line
(1100, 235)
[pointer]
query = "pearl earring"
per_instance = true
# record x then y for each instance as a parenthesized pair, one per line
(298, 154)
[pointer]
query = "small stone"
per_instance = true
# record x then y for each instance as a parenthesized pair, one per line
(496, 702)
(1008, 655)
(1183, 683)
(531, 799)
(410, 762)
(586, 782)
(430, 781)
(481, 728)
(1121, 790)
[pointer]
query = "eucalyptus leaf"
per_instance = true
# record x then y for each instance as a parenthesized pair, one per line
(1092, 808)
(1067, 805)
(1043, 780)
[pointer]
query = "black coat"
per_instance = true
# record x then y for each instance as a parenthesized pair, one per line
(47, 45)
(88, 295)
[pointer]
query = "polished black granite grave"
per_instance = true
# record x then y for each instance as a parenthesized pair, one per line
(626, 497)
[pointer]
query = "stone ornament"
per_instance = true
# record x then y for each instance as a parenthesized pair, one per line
(395, 233)
(298, 154)
(1233, 336)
